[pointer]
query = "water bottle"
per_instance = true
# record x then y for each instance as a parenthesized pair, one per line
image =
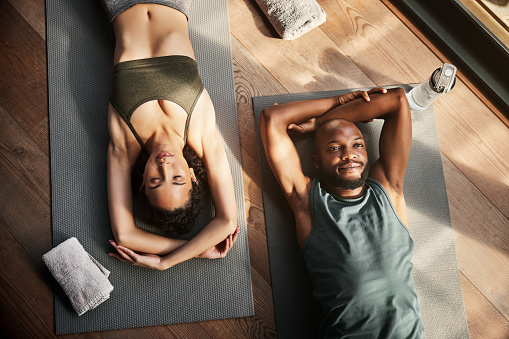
(441, 81)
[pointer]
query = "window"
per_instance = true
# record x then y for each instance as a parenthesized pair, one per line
(492, 15)
(479, 49)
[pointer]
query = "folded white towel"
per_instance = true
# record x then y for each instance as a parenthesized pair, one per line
(83, 279)
(293, 18)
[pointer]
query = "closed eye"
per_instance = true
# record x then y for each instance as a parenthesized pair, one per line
(156, 182)
(179, 180)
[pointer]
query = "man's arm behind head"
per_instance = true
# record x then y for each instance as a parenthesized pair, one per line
(395, 141)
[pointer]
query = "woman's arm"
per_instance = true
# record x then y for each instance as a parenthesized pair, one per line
(120, 203)
(128, 237)
(120, 198)
(224, 223)
(215, 239)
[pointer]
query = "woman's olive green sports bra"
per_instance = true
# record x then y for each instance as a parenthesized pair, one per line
(174, 78)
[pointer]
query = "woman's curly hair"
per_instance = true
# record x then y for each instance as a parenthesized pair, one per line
(179, 220)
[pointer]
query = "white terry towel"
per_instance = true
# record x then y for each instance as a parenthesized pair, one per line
(293, 18)
(84, 280)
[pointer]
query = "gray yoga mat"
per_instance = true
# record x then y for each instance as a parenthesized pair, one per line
(80, 45)
(435, 266)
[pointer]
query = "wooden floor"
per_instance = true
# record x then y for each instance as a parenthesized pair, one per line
(364, 43)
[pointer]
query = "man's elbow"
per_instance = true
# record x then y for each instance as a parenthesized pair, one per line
(266, 115)
(399, 102)
(271, 120)
(270, 115)
(401, 98)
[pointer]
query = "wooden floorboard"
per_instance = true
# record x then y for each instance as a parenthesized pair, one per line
(363, 43)
(34, 13)
(484, 320)
(24, 66)
(298, 65)
(479, 232)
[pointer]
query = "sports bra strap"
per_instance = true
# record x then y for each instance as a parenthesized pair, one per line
(188, 121)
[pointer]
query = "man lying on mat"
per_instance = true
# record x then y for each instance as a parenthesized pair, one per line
(164, 144)
(352, 220)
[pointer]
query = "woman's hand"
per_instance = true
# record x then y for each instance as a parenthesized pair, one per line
(156, 262)
(220, 250)
(143, 260)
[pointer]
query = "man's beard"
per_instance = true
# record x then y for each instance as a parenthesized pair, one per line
(331, 178)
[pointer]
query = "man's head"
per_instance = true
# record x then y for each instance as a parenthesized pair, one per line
(340, 155)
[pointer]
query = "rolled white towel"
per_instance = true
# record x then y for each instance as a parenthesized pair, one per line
(83, 279)
(293, 18)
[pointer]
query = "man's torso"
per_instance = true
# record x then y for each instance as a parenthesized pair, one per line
(358, 254)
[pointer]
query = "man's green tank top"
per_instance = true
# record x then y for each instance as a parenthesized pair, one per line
(358, 255)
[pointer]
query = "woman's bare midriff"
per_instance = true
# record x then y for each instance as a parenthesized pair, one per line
(149, 31)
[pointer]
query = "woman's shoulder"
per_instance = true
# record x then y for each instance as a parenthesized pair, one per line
(116, 129)
(203, 133)
(122, 144)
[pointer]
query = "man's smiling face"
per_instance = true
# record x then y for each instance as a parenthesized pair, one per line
(340, 155)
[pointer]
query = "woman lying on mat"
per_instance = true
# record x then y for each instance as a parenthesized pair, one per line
(164, 144)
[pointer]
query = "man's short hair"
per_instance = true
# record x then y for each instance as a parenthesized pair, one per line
(321, 125)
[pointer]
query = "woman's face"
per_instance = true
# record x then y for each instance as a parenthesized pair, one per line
(167, 179)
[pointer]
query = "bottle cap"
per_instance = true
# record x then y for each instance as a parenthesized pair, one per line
(443, 79)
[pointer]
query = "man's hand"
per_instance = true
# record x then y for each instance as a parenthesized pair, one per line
(313, 124)
(343, 99)
(143, 260)
(221, 249)
(304, 128)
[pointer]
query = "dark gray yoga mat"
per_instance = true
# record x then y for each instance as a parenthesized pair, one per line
(80, 48)
(435, 266)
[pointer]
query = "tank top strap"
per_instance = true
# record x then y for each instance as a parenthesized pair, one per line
(142, 145)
